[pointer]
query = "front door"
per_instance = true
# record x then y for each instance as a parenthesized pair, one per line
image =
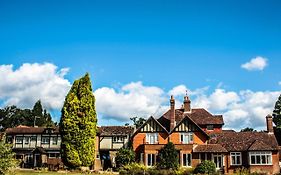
(37, 160)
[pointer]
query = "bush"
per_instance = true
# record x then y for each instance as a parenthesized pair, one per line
(168, 157)
(206, 167)
(124, 157)
(184, 171)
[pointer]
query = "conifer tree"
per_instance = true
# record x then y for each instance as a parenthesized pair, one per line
(78, 125)
(277, 113)
(168, 157)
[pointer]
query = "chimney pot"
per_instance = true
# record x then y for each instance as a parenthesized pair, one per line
(186, 104)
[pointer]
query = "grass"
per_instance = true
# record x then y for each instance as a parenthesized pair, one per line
(34, 172)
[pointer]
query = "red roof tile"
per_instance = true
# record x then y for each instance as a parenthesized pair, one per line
(209, 148)
(30, 130)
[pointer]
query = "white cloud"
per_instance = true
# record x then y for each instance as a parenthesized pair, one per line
(258, 63)
(133, 99)
(279, 83)
(31, 82)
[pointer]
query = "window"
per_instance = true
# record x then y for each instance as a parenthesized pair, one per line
(186, 138)
(210, 127)
(54, 155)
(45, 140)
(118, 139)
(260, 158)
(28, 158)
(151, 138)
(19, 140)
(33, 138)
(150, 159)
(236, 158)
(218, 160)
(26, 140)
(9, 139)
(186, 159)
(54, 140)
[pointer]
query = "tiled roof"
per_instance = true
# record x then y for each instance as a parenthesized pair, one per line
(115, 130)
(200, 116)
(209, 148)
(243, 141)
(30, 130)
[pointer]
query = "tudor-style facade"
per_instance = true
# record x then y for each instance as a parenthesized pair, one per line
(198, 136)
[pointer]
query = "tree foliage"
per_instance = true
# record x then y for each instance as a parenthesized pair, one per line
(247, 129)
(168, 157)
(277, 113)
(124, 156)
(78, 125)
(138, 121)
(12, 116)
(7, 159)
(206, 167)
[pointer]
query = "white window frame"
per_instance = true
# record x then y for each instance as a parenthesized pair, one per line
(153, 157)
(151, 138)
(26, 140)
(260, 154)
(189, 163)
(236, 155)
(43, 141)
(186, 137)
(54, 140)
(118, 139)
(19, 139)
(218, 155)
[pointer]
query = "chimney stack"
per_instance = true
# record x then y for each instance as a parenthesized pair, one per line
(186, 104)
(269, 124)
(172, 113)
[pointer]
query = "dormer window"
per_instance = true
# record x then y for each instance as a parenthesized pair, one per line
(210, 127)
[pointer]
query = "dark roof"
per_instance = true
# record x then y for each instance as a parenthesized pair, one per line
(39, 150)
(115, 130)
(30, 130)
(200, 116)
(209, 148)
(243, 141)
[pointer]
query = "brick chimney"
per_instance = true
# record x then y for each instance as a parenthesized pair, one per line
(172, 113)
(186, 104)
(269, 124)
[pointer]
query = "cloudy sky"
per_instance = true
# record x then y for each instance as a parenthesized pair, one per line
(225, 54)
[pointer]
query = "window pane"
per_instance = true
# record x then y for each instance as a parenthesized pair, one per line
(253, 160)
(184, 160)
(258, 159)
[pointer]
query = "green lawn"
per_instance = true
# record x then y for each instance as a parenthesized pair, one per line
(33, 172)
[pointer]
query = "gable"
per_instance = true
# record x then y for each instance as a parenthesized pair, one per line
(151, 126)
(186, 126)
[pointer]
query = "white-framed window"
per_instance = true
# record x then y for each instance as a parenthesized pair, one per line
(19, 139)
(210, 127)
(45, 140)
(54, 140)
(151, 159)
(260, 158)
(186, 160)
(236, 158)
(151, 138)
(118, 139)
(28, 158)
(26, 140)
(218, 160)
(186, 137)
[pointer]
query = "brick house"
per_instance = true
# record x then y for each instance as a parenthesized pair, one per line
(198, 135)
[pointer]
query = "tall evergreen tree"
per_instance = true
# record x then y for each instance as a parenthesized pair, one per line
(78, 124)
(168, 157)
(277, 113)
(40, 116)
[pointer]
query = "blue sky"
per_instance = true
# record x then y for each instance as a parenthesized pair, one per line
(162, 44)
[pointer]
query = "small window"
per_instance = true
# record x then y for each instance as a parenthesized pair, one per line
(54, 140)
(19, 140)
(186, 159)
(186, 138)
(118, 139)
(210, 127)
(45, 140)
(26, 140)
(236, 158)
(151, 138)
(150, 159)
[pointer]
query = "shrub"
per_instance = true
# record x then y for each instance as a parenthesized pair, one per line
(184, 171)
(206, 167)
(168, 157)
(124, 157)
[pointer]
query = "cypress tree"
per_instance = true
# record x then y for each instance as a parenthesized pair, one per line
(277, 113)
(78, 125)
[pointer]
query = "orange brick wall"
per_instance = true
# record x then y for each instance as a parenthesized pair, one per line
(175, 138)
(199, 138)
